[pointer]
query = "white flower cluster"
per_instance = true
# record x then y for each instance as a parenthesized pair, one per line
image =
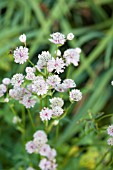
(110, 132)
(40, 81)
(39, 145)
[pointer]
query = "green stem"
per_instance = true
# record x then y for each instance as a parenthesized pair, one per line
(108, 115)
(30, 117)
(31, 62)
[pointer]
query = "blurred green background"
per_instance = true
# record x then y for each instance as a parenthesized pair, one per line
(91, 21)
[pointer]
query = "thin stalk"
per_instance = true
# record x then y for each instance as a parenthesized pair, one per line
(30, 117)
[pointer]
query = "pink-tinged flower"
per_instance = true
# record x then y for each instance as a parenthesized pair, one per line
(30, 69)
(45, 164)
(3, 89)
(21, 55)
(69, 83)
(39, 85)
(6, 81)
(57, 38)
(53, 166)
(17, 80)
(75, 95)
(44, 150)
(57, 111)
(30, 147)
(110, 130)
(44, 57)
(46, 114)
(51, 154)
(56, 64)
(51, 65)
(56, 101)
(30, 76)
(110, 141)
(22, 38)
(70, 36)
(41, 136)
(60, 88)
(53, 80)
(72, 56)
(59, 65)
(17, 93)
(28, 101)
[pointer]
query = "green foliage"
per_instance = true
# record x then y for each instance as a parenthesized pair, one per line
(83, 131)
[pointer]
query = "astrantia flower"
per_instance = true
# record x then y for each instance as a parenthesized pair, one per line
(44, 57)
(30, 76)
(17, 80)
(110, 141)
(51, 154)
(56, 101)
(44, 150)
(70, 36)
(41, 135)
(40, 138)
(39, 86)
(30, 69)
(46, 114)
(6, 81)
(22, 38)
(3, 89)
(56, 64)
(57, 111)
(60, 88)
(21, 55)
(57, 38)
(75, 95)
(110, 130)
(53, 80)
(17, 93)
(30, 147)
(69, 83)
(72, 56)
(28, 101)
(44, 164)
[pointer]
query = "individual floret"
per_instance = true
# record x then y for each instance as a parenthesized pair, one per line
(56, 64)
(6, 81)
(46, 114)
(56, 101)
(17, 80)
(53, 80)
(22, 38)
(70, 36)
(21, 55)
(57, 111)
(57, 38)
(110, 141)
(3, 89)
(110, 130)
(72, 56)
(75, 95)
